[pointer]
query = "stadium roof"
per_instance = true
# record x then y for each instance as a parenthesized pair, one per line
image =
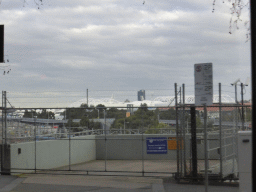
(162, 101)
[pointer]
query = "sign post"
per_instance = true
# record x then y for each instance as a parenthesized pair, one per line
(204, 96)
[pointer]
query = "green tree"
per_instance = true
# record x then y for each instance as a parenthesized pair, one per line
(248, 114)
(29, 114)
(46, 114)
(100, 108)
(96, 125)
(84, 121)
(115, 113)
(141, 118)
(155, 130)
(169, 114)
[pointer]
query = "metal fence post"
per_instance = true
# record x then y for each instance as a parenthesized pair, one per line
(177, 131)
(180, 137)
(69, 141)
(106, 153)
(5, 154)
(242, 101)
(35, 139)
(220, 130)
(193, 142)
(142, 141)
(5, 118)
(206, 149)
(2, 151)
(184, 132)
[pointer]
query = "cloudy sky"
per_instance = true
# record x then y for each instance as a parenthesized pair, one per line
(61, 48)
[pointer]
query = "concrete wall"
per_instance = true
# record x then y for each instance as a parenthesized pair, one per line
(52, 153)
(55, 153)
(130, 147)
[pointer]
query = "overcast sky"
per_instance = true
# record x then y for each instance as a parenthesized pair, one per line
(118, 45)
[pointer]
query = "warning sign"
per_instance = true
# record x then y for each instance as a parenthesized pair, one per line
(172, 143)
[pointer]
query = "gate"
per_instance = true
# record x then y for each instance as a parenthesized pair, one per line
(223, 124)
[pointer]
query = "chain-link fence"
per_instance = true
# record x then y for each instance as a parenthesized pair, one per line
(97, 140)
(141, 141)
(222, 125)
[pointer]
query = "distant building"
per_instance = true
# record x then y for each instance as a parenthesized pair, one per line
(141, 95)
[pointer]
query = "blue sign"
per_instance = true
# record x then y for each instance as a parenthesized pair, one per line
(156, 145)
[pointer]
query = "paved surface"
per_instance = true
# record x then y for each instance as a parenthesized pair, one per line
(173, 186)
(43, 183)
(164, 166)
(114, 182)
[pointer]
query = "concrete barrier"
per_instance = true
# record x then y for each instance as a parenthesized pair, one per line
(50, 154)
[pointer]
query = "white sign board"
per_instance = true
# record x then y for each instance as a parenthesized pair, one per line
(203, 84)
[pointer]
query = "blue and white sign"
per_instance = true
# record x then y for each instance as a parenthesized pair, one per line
(156, 145)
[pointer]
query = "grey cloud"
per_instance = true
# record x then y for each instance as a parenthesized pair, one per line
(110, 44)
